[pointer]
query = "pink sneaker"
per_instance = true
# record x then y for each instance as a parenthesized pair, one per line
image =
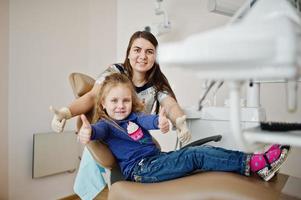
(268, 163)
(274, 146)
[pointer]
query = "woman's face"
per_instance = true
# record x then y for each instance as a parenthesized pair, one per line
(142, 55)
(118, 102)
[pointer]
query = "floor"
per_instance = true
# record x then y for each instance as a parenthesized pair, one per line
(102, 196)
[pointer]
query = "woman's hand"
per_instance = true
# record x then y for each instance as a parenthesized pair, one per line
(183, 133)
(59, 119)
(163, 121)
(84, 134)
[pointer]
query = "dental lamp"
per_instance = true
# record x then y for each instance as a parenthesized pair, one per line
(263, 45)
(224, 7)
(162, 27)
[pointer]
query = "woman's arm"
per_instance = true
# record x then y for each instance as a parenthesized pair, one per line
(79, 106)
(84, 103)
(177, 117)
(172, 109)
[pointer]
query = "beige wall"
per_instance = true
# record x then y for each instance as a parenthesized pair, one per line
(48, 41)
(4, 50)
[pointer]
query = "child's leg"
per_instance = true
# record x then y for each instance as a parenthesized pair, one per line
(266, 164)
(179, 163)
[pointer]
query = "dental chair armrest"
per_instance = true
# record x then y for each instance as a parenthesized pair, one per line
(214, 138)
(102, 154)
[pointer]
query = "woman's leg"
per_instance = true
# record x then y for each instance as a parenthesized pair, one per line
(182, 162)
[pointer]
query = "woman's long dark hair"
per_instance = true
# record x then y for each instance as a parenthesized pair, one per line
(154, 76)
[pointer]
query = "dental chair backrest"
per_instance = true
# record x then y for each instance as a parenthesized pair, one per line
(81, 84)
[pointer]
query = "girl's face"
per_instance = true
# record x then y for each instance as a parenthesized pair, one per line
(142, 55)
(118, 102)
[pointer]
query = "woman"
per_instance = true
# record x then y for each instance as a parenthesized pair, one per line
(150, 83)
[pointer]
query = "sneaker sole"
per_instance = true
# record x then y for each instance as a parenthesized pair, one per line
(276, 166)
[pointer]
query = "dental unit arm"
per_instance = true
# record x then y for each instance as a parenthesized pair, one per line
(207, 85)
(263, 45)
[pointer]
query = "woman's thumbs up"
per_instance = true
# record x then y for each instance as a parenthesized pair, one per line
(59, 118)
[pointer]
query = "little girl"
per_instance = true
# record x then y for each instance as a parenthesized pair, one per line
(124, 127)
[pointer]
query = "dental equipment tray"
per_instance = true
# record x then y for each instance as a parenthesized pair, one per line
(280, 126)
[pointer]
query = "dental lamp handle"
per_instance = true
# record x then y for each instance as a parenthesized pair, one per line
(291, 95)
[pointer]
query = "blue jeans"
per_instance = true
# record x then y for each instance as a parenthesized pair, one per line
(170, 165)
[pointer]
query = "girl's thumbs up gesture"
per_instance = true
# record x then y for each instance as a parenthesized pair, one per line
(163, 121)
(85, 131)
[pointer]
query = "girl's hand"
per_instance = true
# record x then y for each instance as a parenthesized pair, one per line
(163, 121)
(84, 134)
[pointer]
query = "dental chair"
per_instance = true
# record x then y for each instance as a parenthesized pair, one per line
(199, 185)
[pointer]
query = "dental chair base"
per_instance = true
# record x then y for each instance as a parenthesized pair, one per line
(203, 185)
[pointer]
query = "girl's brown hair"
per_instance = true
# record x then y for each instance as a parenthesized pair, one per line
(110, 82)
(154, 76)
